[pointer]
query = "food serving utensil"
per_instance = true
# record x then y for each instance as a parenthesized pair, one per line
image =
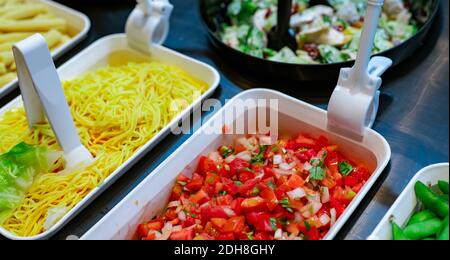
(281, 35)
(43, 97)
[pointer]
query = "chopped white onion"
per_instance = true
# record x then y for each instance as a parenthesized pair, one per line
(158, 235)
(324, 219)
(325, 195)
(245, 155)
(316, 207)
(166, 231)
(182, 215)
(278, 234)
(298, 217)
(307, 166)
(173, 204)
(265, 140)
(177, 228)
(296, 194)
(277, 159)
(287, 167)
(230, 213)
(178, 209)
(230, 158)
(333, 214)
(215, 156)
(280, 172)
(311, 209)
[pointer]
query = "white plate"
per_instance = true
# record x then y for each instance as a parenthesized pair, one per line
(99, 55)
(151, 195)
(406, 203)
(78, 25)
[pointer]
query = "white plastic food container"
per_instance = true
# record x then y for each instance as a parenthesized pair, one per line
(405, 205)
(78, 26)
(114, 50)
(150, 197)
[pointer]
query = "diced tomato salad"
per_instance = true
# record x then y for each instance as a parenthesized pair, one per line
(294, 189)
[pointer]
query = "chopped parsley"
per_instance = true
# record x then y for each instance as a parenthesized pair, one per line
(345, 168)
(259, 158)
(317, 173)
(273, 223)
(225, 151)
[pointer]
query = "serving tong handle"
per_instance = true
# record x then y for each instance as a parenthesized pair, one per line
(148, 24)
(43, 96)
(354, 103)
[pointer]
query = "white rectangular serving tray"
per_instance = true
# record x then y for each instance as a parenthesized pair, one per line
(405, 205)
(150, 197)
(114, 50)
(78, 26)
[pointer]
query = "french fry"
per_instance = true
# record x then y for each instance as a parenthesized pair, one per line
(35, 25)
(2, 69)
(6, 58)
(6, 46)
(7, 78)
(27, 11)
(53, 38)
(14, 37)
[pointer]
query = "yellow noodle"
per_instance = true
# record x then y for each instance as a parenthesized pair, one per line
(116, 110)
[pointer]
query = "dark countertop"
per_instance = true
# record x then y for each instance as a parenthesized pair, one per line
(414, 114)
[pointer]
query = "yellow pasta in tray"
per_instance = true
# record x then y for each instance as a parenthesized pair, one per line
(20, 19)
(117, 110)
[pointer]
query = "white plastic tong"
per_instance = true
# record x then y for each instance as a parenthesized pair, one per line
(148, 24)
(43, 95)
(354, 103)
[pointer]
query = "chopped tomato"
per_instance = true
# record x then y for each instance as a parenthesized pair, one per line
(224, 200)
(253, 204)
(292, 228)
(150, 237)
(262, 236)
(247, 186)
(206, 165)
(194, 185)
(227, 236)
(270, 198)
(234, 224)
(321, 142)
(305, 142)
(155, 225)
(236, 205)
(209, 212)
(268, 172)
(212, 178)
(200, 197)
(218, 222)
(295, 181)
(142, 230)
(351, 181)
(185, 234)
(237, 165)
(246, 175)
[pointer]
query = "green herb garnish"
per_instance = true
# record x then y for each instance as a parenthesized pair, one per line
(345, 168)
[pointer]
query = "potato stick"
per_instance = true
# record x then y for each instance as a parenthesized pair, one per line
(14, 37)
(2, 69)
(52, 38)
(32, 25)
(27, 11)
(7, 78)
(7, 58)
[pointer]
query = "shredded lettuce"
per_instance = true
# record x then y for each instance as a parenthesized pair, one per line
(18, 167)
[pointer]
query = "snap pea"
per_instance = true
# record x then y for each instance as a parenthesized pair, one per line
(397, 232)
(421, 216)
(423, 229)
(431, 200)
(443, 186)
(443, 234)
(444, 198)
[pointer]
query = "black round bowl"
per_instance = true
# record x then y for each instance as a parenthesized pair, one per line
(213, 14)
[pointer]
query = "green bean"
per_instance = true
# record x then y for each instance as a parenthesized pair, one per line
(397, 232)
(421, 216)
(443, 234)
(443, 186)
(423, 229)
(431, 200)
